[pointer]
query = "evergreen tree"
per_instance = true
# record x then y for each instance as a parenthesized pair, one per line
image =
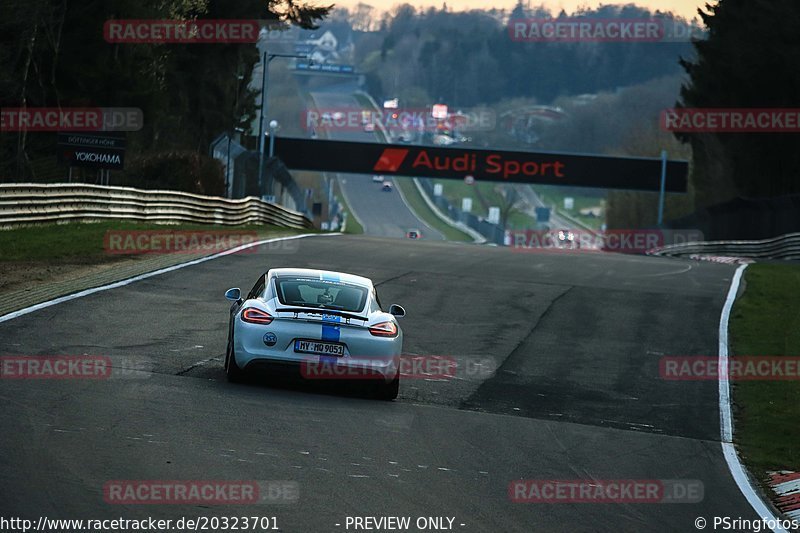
(751, 59)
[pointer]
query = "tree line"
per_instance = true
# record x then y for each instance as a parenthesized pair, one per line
(53, 54)
(470, 58)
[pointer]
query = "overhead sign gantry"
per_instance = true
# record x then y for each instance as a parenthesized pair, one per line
(577, 170)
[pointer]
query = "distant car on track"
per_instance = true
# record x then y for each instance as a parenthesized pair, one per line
(413, 234)
(298, 318)
(387, 186)
(566, 239)
(377, 179)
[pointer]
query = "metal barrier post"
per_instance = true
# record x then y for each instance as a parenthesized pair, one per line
(661, 190)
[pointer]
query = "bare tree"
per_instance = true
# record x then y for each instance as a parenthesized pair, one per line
(510, 205)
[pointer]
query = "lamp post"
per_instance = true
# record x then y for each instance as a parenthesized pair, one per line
(661, 188)
(239, 78)
(228, 166)
(266, 59)
(273, 125)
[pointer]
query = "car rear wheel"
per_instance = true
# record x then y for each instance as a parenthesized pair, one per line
(232, 370)
(388, 391)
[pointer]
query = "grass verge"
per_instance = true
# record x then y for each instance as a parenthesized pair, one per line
(455, 191)
(420, 207)
(353, 226)
(766, 321)
(554, 195)
(85, 241)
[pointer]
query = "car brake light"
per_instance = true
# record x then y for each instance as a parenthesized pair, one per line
(256, 316)
(384, 329)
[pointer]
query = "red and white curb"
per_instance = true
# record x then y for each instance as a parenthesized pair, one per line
(787, 490)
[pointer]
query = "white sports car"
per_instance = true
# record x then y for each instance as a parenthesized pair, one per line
(326, 324)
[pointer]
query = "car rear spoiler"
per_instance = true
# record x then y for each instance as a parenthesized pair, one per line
(314, 311)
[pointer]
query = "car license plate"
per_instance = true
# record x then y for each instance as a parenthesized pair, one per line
(318, 348)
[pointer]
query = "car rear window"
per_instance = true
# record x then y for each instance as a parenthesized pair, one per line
(321, 294)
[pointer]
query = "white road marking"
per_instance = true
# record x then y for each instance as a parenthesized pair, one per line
(122, 283)
(726, 421)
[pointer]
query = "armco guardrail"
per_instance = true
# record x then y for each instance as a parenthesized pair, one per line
(33, 203)
(783, 247)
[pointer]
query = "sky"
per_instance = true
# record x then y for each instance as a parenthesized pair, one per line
(684, 8)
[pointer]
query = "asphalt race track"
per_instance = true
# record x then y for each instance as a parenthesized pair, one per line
(383, 214)
(576, 339)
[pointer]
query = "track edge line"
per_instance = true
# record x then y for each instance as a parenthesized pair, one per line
(735, 466)
(121, 283)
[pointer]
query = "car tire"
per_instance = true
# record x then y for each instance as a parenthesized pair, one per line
(232, 370)
(388, 391)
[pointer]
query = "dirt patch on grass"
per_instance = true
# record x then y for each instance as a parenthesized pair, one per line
(21, 275)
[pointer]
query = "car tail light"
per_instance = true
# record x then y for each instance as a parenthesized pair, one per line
(384, 329)
(256, 316)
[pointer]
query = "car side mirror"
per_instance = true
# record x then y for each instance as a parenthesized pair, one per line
(234, 294)
(397, 310)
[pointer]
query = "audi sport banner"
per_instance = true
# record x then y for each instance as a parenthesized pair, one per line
(95, 150)
(487, 165)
